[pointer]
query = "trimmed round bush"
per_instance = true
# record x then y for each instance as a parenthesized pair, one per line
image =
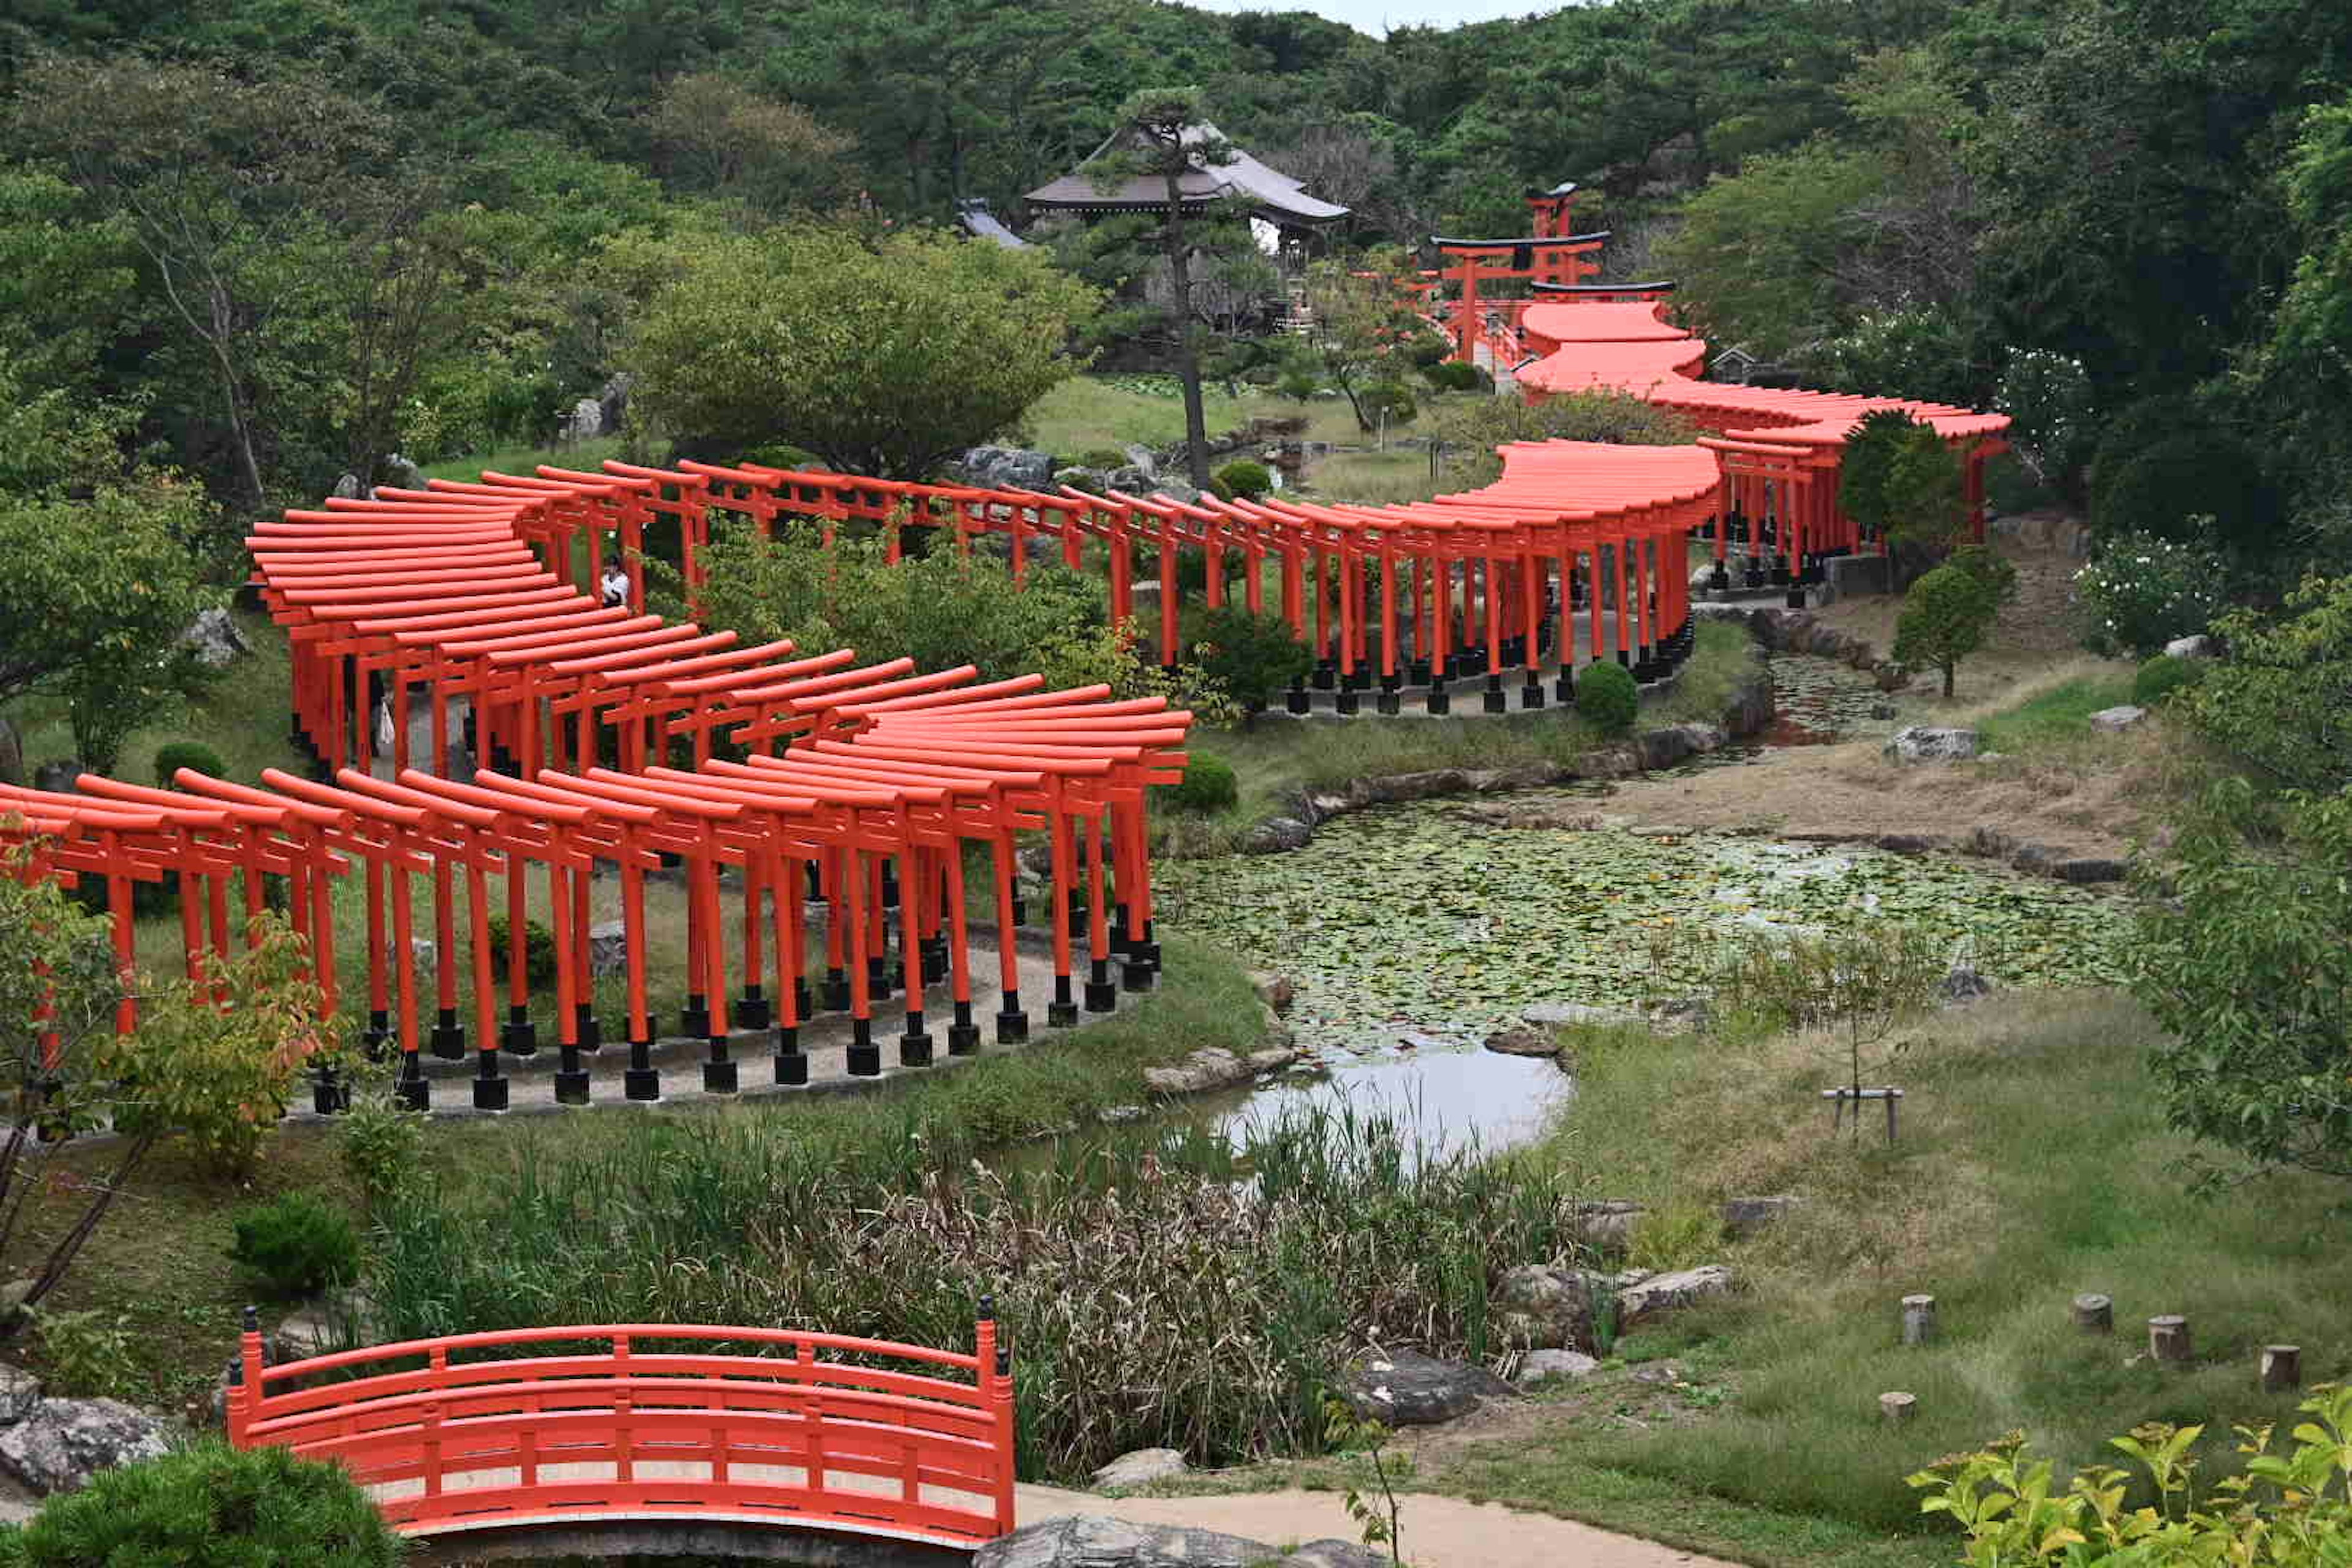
(1103, 458)
(1243, 476)
(209, 1506)
(298, 1244)
(1607, 695)
(1452, 376)
(177, 754)
(2162, 676)
(538, 949)
(1209, 783)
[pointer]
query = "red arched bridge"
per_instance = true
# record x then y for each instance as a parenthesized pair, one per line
(662, 1435)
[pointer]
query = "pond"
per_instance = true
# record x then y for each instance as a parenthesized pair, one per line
(1413, 923)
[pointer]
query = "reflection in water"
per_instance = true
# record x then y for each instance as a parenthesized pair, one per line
(1444, 1102)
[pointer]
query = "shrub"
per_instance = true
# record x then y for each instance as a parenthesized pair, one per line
(171, 758)
(1607, 695)
(1252, 656)
(2162, 676)
(2263, 704)
(210, 1506)
(298, 1244)
(2143, 591)
(1243, 476)
(1209, 783)
(1900, 480)
(1452, 376)
(1988, 566)
(1945, 619)
(2291, 1511)
(1103, 460)
(1391, 399)
(381, 1140)
(2166, 468)
(85, 1354)
(538, 949)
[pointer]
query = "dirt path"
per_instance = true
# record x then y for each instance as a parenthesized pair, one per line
(1439, 1531)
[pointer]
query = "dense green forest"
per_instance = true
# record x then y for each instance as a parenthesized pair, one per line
(265, 242)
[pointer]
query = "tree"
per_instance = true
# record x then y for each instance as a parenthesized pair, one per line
(1901, 481)
(882, 359)
(1168, 138)
(718, 135)
(212, 1506)
(1945, 619)
(93, 604)
(1366, 334)
(217, 1056)
(2247, 969)
(2280, 704)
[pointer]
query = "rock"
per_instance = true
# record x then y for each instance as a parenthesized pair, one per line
(1094, 481)
(1682, 1015)
(1540, 1364)
(1176, 490)
(20, 1395)
(2197, 646)
(1130, 478)
(57, 777)
(1705, 738)
(1276, 836)
(1663, 748)
(1553, 1014)
(1120, 1115)
(1658, 1372)
(424, 955)
(1989, 842)
(215, 639)
(1008, 467)
(12, 755)
(1963, 985)
(347, 487)
(400, 474)
(1681, 1288)
(2090, 868)
(613, 402)
(1213, 1067)
(64, 1442)
(1542, 1307)
(1275, 990)
(1926, 744)
(1743, 1218)
(1522, 1042)
(1336, 1553)
(1142, 457)
(2113, 719)
(1396, 787)
(608, 948)
(585, 422)
(1607, 1222)
(1140, 1467)
(1405, 1388)
(1089, 1540)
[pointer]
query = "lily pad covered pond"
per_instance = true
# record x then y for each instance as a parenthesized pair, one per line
(1410, 921)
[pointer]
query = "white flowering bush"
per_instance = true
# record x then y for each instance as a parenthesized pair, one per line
(2143, 591)
(2047, 396)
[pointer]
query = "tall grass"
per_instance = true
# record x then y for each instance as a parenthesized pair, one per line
(1160, 1287)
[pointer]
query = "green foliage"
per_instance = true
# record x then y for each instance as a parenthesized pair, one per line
(1672, 1236)
(1900, 480)
(1608, 697)
(2157, 680)
(538, 955)
(1209, 783)
(1452, 376)
(2280, 704)
(2052, 415)
(1990, 567)
(2247, 968)
(85, 1355)
(883, 358)
(210, 1506)
(1103, 460)
(92, 607)
(2289, 1509)
(2171, 468)
(173, 756)
(1471, 430)
(1946, 616)
(298, 1243)
(381, 1143)
(1245, 477)
(1380, 1520)
(2142, 592)
(1366, 338)
(1250, 655)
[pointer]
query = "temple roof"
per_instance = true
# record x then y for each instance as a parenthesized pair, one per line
(1276, 194)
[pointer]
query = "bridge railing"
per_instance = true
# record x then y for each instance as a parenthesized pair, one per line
(571, 1424)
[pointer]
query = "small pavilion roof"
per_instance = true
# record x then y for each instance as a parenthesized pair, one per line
(1275, 194)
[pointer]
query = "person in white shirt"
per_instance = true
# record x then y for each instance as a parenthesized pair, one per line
(615, 586)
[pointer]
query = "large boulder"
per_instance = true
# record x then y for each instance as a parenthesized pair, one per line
(2197, 646)
(64, 1442)
(2122, 717)
(20, 1395)
(1087, 1540)
(1140, 1467)
(608, 948)
(1537, 1365)
(1926, 744)
(1523, 1041)
(403, 474)
(613, 402)
(1661, 1293)
(1405, 1388)
(1543, 1308)
(1212, 1067)
(1278, 835)
(57, 777)
(215, 639)
(585, 422)
(1008, 467)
